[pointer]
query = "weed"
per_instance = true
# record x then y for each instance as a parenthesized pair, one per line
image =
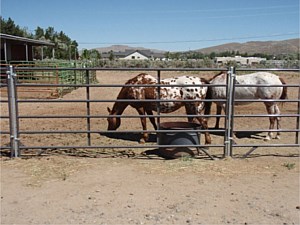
(289, 166)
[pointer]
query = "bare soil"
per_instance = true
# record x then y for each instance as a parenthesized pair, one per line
(120, 186)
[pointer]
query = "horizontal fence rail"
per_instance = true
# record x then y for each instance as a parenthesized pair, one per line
(15, 117)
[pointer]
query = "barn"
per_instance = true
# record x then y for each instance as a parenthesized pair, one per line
(14, 48)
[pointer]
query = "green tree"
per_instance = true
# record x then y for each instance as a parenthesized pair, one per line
(212, 55)
(111, 56)
(85, 54)
(50, 34)
(94, 54)
(9, 27)
(39, 33)
(65, 47)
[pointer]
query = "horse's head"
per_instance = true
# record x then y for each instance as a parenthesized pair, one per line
(113, 122)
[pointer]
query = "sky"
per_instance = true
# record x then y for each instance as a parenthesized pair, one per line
(170, 25)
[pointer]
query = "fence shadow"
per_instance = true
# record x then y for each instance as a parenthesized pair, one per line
(257, 155)
(240, 134)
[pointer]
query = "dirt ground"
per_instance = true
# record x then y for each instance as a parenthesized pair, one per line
(117, 186)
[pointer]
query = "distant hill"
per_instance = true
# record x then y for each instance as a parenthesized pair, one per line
(122, 48)
(266, 47)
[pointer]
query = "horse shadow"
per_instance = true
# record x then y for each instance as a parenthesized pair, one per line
(128, 136)
(250, 134)
(135, 137)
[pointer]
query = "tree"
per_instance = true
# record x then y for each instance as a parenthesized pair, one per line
(39, 33)
(50, 33)
(212, 55)
(65, 47)
(85, 54)
(94, 54)
(111, 56)
(9, 27)
(167, 55)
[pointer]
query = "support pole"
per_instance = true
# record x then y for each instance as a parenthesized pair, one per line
(229, 112)
(26, 50)
(298, 119)
(88, 108)
(232, 97)
(5, 51)
(12, 104)
(42, 53)
(158, 107)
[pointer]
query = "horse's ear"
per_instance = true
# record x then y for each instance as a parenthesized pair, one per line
(108, 109)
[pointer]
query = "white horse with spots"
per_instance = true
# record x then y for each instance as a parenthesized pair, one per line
(195, 91)
(265, 91)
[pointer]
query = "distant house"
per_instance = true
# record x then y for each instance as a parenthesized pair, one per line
(135, 55)
(14, 48)
(239, 60)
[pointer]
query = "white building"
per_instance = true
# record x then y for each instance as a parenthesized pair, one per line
(136, 55)
(240, 60)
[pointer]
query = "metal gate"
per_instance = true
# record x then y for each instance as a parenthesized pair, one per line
(227, 145)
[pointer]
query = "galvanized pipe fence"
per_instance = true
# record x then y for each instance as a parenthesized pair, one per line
(227, 146)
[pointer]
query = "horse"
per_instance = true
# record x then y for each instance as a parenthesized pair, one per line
(129, 91)
(251, 92)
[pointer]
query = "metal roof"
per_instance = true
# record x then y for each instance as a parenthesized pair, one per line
(24, 40)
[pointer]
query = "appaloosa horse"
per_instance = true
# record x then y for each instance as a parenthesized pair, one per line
(265, 91)
(195, 92)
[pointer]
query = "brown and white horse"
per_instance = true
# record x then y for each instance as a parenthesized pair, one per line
(265, 91)
(195, 92)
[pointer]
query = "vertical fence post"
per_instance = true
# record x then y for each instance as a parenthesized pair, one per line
(158, 106)
(229, 112)
(13, 117)
(298, 118)
(88, 109)
(232, 97)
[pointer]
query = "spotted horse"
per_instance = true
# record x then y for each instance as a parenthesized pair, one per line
(177, 89)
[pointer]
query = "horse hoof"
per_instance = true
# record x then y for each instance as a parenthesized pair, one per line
(142, 141)
(267, 138)
(278, 137)
(205, 148)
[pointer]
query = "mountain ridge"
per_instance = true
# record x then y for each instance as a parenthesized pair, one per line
(288, 46)
(267, 47)
(122, 48)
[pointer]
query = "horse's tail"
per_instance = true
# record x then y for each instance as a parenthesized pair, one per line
(207, 104)
(284, 94)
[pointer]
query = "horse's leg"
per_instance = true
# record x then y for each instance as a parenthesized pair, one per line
(145, 135)
(218, 113)
(196, 110)
(203, 121)
(189, 111)
(271, 111)
(277, 111)
(152, 119)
